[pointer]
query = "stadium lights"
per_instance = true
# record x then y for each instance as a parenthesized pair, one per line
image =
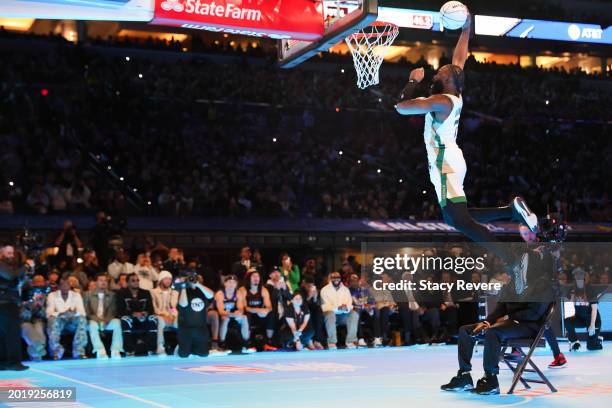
(358, 161)
(11, 183)
(547, 101)
(424, 192)
(127, 58)
(340, 153)
(342, 70)
(273, 140)
(121, 178)
(401, 180)
(140, 76)
(135, 190)
(378, 171)
(109, 167)
(148, 203)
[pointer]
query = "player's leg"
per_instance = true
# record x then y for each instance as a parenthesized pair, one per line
(517, 210)
(457, 215)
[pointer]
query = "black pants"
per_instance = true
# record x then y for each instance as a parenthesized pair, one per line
(257, 322)
(448, 320)
(493, 337)
(551, 339)
(193, 340)
(467, 222)
(316, 321)
(371, 321)
(431, 318)
(411, 323)
(581, 320)
(135, 329)
(10, 334)
(384, 314)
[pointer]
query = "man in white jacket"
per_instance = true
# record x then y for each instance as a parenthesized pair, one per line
(337, 307)
(165, 300)
(65, 310)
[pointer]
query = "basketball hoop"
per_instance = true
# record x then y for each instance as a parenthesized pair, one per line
(369, 46)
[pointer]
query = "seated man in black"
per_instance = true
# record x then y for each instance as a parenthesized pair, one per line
(193, 335)
(520, 318)
(138, 320)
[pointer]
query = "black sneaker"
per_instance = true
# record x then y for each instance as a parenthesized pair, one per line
(16, 367)
(575, 346)
(487, 385)
(461, 382)
(522, 213)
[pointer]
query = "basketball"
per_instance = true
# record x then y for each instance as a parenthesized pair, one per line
(454, 14)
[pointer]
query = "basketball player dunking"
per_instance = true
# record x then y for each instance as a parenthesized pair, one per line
(447, 167)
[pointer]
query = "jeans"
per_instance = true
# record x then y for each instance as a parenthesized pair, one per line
(33, 334)
(161, 326)
(351, 320)
(77, 324)
(113, 325)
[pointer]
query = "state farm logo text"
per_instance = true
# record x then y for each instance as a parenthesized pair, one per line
(211, 8)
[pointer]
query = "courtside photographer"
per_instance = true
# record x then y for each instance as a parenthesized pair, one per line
(193, 334)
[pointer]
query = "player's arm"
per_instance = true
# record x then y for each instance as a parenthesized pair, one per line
(461, 50)
(419, 106)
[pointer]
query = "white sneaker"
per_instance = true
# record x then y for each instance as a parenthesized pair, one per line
(161, 352)
(249, 350)
(350, 346)
(218, 352)
(331, 346)
(115, 354)
(362, 343)
(101, 354)
(519, 207)
(378, 342)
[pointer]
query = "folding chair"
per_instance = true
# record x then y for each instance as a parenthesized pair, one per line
(524, 359)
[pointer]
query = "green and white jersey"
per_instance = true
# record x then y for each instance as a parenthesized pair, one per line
(447, 166)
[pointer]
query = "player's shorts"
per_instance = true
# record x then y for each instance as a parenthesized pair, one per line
(447, 177)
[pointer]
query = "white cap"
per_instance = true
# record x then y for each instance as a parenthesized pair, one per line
(164, 274)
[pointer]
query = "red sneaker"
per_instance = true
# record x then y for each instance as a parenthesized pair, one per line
(268, 347)
(559, 361)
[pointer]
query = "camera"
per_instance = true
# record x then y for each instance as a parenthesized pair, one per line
(552, 229)
(189, 276)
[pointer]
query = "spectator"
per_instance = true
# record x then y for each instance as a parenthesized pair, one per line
(145, 271)
(298, 332)
(386, 305)
(91, 265)
(279, 295)
(33, 317)
(120, 266)
(68, 242)
(101, 306)
(37, 200)
(138, 320)
(258, 307)
(65, 311)
(586, 313)
(448, 310)
(311, 299)
(165, 299)
(365, 306)
(231, 309)
(240, 268)
(337, 307)
(175, 262)
(290, 272)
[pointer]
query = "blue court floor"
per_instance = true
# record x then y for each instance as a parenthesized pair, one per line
(373, 378)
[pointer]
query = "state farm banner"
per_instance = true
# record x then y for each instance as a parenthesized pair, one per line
(295, 19)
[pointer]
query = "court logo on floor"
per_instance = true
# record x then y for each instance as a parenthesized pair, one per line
(269, 368)
(223, 369)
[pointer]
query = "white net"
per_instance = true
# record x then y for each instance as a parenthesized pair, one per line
(369, 46)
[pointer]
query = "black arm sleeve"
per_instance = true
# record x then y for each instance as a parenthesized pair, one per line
(408, 91)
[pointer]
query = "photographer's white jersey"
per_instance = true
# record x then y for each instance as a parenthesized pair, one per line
(447, 166)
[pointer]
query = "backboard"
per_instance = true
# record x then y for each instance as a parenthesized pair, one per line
(342, 18)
